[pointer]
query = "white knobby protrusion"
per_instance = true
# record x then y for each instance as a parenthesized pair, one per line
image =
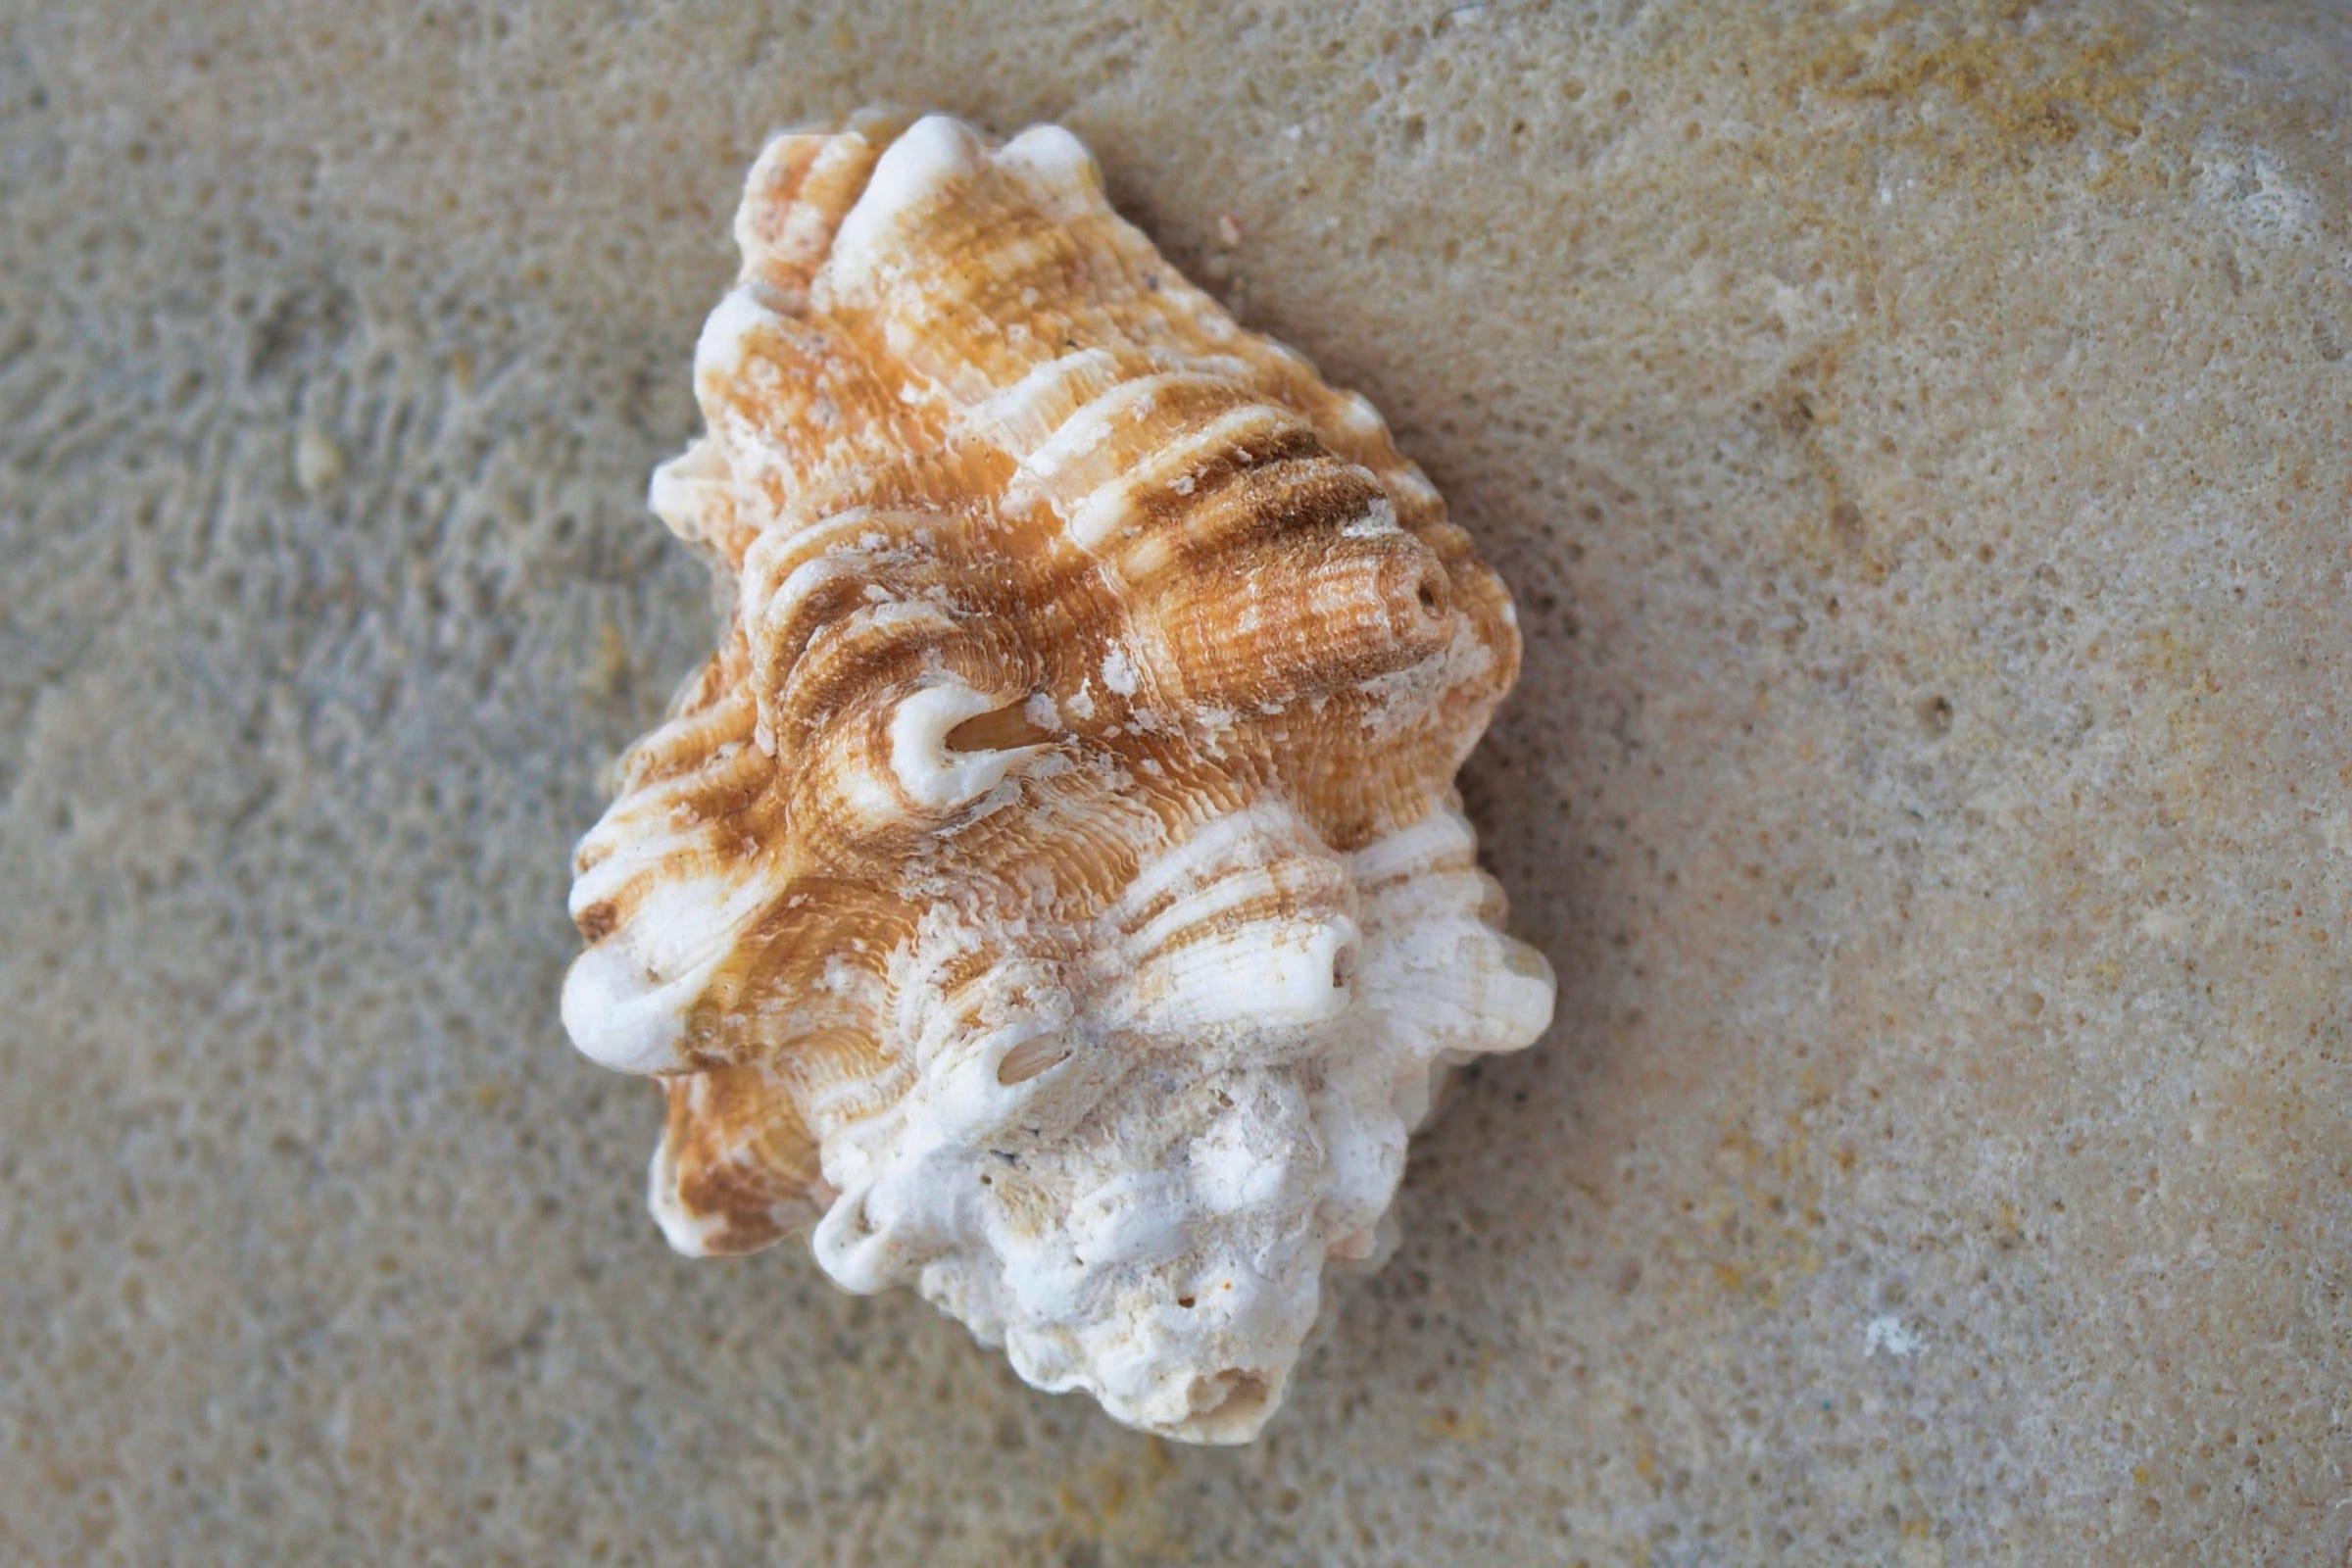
(726, 344)
(626, 999)
(687, 488)
(927, 768)
(930, 153)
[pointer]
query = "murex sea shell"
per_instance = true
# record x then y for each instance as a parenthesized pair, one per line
(1052, 889)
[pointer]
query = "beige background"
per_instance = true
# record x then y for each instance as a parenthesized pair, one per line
(1922, 444)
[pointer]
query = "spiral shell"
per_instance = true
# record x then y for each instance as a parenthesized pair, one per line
(1052, 890)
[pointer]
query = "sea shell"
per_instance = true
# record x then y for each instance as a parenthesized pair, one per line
(1052, 889)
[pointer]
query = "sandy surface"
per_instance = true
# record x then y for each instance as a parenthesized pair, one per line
(1922, 447)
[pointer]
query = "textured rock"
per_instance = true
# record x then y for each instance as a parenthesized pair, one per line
(1920, 443)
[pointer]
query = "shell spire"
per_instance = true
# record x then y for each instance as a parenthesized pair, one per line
(1051, 891)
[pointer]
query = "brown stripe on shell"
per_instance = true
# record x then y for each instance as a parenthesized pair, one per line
(740, 1156)
(1300, 614)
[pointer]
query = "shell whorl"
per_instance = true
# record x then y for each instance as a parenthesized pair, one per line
(1087, 659)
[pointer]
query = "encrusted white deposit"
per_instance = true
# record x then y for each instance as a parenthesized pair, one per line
(1143, 1210)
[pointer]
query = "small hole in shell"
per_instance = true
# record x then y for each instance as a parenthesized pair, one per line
(1029, 1058)
(998, 730)
(1185, 1302)
(1231, 1393)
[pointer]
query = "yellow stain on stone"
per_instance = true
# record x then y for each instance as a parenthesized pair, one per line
(1471, 1425)
(1112, 1502)
(1760, 1217)
(319, 462)
(609, 676)
(2026, 91)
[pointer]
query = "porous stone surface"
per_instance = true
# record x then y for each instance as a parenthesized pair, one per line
(1921, 440)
